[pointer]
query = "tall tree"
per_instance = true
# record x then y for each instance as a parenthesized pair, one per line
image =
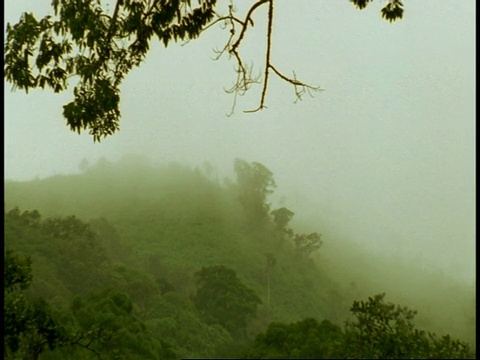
(98, 46)
(255, 182)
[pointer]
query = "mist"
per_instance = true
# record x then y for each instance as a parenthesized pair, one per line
(175, 218)
(384, 157)
(381, 162)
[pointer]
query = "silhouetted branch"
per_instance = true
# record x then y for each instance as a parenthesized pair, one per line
(244, 78)
(267, 57)
(300, 87)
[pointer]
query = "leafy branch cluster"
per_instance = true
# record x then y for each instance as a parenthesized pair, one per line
(391, 11)
(384, 330)
(84, 40)
(379, 330)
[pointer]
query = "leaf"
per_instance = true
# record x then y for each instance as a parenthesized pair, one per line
(361, 4)
(392, 11)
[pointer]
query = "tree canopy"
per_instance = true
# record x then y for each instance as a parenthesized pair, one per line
(305, 339)
(29, 327)
(166, 270)
(223, 299)
(97, 45)
(386, 331)
(379, 331)
(255, 183)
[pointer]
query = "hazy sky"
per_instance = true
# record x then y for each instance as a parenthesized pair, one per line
(385, 156)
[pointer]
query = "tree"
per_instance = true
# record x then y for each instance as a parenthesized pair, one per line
(281, 218)
(306, 339)
(109, 328)
(175, 319)
(104, 325)
(386, 331)
(255, 182)
(79, 251)
(29, 326)
(86, 40)
(223, 299)
(306, 244)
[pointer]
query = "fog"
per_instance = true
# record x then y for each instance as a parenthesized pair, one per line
(383, 158)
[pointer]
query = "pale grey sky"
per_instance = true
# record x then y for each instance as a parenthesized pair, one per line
(385, 155)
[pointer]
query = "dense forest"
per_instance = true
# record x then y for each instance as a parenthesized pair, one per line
(131, 260)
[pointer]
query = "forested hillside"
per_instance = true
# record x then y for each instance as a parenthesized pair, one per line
(130, 260)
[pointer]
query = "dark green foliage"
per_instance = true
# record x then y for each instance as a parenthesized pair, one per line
(391, 11)
(80, 246)
(108, 326)
(175, 319)
(125, 317)
(361, 4)
(380, 331)
(140, 286)
(306, 339)
(305, 244)
(68, 242)
(223, 299)
(386, 331)
(17, 272)
(111, 241)
(29, 326)
(84, 40)
(130, 270)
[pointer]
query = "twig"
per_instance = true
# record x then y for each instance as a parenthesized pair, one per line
(267, 57)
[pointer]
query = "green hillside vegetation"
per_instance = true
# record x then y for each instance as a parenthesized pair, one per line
(135, 261)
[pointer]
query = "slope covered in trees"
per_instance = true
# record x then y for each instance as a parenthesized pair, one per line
(141, 261)
(181, 220)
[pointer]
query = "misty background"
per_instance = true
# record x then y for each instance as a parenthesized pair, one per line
(383, 158)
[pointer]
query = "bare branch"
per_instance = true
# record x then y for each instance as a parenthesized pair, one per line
(228, 45)
(224, 18)
(244, 77)
(243, 83)
(267, 57)
(247, 19)
(300, 87)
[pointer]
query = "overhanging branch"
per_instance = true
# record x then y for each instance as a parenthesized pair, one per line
(244, 78)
